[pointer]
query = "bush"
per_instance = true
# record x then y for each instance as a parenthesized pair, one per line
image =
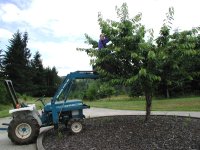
(105, 91)
(91, 92)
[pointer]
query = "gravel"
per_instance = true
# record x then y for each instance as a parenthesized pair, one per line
(129, 133)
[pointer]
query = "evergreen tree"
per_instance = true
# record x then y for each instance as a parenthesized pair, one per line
(3, 94)
(17, 64)
(52, 80)
(38, 73)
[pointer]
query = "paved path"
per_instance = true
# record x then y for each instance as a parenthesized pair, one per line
(97, 112)
(6, 144)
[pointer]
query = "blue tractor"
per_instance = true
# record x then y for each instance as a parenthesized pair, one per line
(26, 122)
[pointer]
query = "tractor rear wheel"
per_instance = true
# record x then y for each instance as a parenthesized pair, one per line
(75, 125)
(23, 130)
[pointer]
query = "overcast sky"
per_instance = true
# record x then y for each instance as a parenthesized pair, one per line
(57, 27)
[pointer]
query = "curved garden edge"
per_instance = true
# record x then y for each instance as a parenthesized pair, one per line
(102, 112)
(39, 144)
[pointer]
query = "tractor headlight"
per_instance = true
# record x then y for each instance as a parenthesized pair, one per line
(75, 113)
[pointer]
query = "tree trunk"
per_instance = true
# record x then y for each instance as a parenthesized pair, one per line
(148, 98)
(167, 91)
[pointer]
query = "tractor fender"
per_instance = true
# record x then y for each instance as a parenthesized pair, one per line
(25, 112)
(30, 107)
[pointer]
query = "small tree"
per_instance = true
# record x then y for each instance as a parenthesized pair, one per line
(177, 54)
(129, 58)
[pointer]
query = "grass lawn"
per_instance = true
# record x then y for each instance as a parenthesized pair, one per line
(126, 103)
(4, 109)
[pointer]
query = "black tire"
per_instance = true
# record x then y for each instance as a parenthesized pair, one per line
(66, 124)
(75, 125)
(23, 130)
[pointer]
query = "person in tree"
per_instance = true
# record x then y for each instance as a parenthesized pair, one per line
(106, 65)
(101, 44)
(102, 41)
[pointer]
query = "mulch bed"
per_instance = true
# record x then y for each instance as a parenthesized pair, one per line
(129, 133)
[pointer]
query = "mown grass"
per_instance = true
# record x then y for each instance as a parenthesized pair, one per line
(4, 109)
(127, 103)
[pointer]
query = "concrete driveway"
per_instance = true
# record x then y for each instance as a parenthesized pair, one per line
(97, 112)
(6, 144)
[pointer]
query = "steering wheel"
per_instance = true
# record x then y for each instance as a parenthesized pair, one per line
(41, 99)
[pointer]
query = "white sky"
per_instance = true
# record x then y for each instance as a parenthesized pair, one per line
(56, 27)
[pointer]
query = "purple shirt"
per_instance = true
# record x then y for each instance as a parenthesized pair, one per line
(102, 43)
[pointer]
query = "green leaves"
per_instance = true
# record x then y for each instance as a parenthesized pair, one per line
(143, 72)
(134, 55)
(151, 55)
(170, 18)
(132, 79)
(122, 12)
(131, 57)
(90, 41)
(190, 52)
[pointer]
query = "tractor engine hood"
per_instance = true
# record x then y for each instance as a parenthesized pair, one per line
(66, 105)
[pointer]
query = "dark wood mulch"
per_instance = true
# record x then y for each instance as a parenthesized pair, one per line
(129, 133)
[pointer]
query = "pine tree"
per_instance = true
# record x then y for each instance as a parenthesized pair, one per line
(3, 95)
(38, 73)
(52, 80)
(17, 64)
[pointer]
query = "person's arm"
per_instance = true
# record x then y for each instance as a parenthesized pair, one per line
(106, 40)
(100, 45)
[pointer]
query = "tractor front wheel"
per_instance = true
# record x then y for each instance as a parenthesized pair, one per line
(75, 125)
(23, 130)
